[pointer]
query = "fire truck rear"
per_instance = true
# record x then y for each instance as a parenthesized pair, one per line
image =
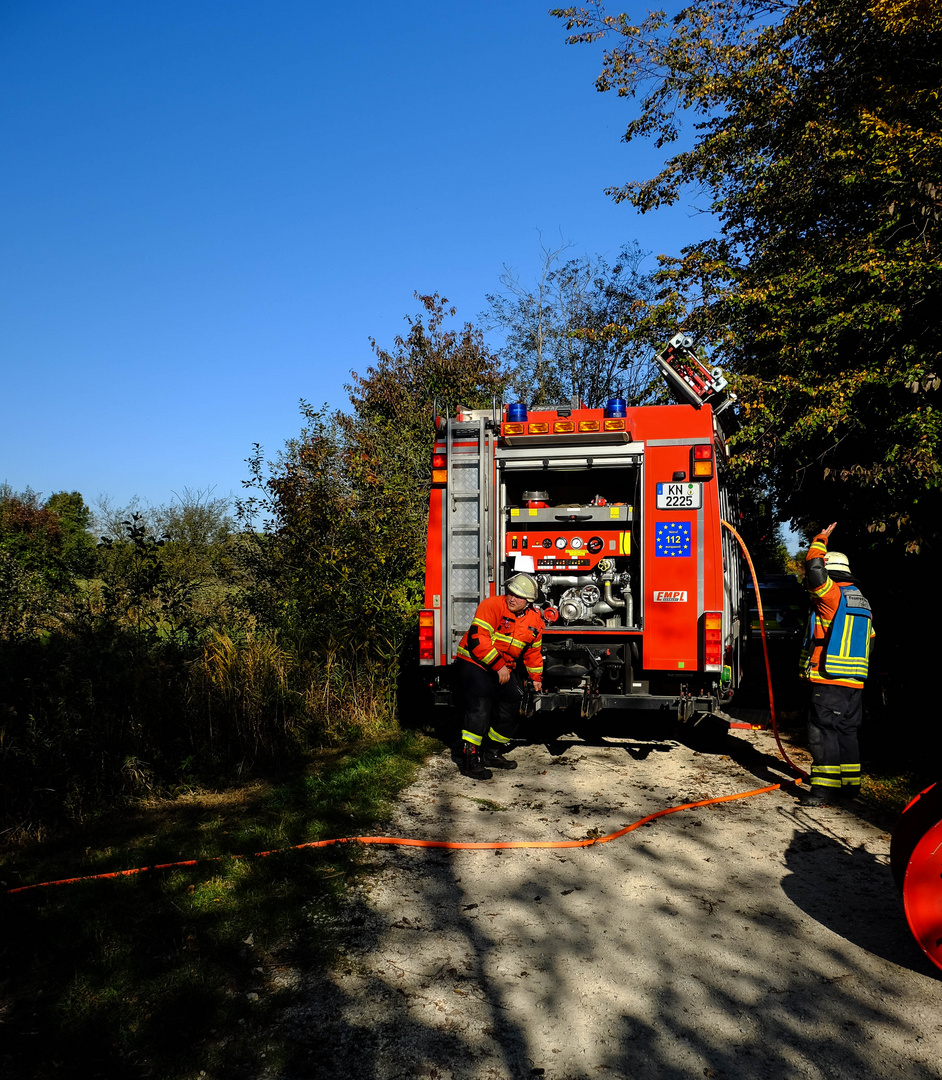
(617, 512)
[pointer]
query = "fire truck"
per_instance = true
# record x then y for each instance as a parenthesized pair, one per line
(617, 512)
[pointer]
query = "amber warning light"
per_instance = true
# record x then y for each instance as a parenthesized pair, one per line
(427, 635)
(701, 463)
(713, 640)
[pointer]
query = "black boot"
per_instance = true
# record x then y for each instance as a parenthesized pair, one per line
(472, 763)
(820, 796)
(496, 760)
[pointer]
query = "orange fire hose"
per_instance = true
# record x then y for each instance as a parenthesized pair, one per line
(398, 841)
(454, 845)
(765, 650)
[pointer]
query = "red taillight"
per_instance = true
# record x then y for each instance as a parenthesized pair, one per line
(713, 640)
(701, 462)
(427, 635)
(439, 469)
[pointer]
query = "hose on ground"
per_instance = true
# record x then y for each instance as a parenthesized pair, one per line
(400, 841)
(455, 845)
(765, 650)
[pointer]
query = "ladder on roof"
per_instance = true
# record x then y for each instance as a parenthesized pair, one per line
(690, 380)
(468, 512)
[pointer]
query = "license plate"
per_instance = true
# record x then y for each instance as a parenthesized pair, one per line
(679, 496)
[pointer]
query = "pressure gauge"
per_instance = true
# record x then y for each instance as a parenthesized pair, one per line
(561, 542)
(547, 542)
(575, 542)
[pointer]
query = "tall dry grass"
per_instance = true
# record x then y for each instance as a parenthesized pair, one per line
(268, 693)
(93, 716)
(244, 688)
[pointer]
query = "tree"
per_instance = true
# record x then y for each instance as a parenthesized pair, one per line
(818, 144)
(345, 505)
(40, 552)
(30, 566)
(575, 331)
(197, 531)
(30, 531)
(75, 521)
(198, 518)
(110, 521)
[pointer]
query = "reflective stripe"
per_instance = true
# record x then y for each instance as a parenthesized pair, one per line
(495, 736)
(470, 737)
(850, 775)
(503, 649)
(817, 780)
(836, 650)
(514, 642)
(487, 660)
(853, 684)
(828, 776)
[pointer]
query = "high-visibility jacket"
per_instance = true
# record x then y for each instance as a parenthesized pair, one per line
(497, 638)
(837, 642)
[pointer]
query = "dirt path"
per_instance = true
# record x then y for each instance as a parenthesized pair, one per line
(746, 939)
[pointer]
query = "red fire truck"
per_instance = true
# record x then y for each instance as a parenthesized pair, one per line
(617, 512)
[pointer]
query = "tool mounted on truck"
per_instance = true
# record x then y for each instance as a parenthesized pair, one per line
(617, 513)
(689, 379)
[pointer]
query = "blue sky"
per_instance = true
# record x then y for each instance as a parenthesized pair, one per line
(208, 209)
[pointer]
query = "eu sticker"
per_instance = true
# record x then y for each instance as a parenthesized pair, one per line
(672, 539)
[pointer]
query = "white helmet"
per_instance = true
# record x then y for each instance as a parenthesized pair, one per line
(837, 560)
(522, 585)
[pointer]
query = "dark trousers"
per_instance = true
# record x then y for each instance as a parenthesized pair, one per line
(833, 721)
(484, 695)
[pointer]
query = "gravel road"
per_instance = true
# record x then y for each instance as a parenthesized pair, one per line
(745, 939)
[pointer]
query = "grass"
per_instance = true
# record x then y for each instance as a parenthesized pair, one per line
(485, 804)
(177, 973)
(888, 791)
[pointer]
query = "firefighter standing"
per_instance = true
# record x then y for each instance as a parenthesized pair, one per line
(835, 659)
(504, 629)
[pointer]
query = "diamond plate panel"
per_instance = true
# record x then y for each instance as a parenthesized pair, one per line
(463, 614)
(464, 513)
(464, 580)
(464, 477)
(465, 547)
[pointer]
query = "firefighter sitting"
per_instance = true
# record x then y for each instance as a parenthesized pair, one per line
(504, 630)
